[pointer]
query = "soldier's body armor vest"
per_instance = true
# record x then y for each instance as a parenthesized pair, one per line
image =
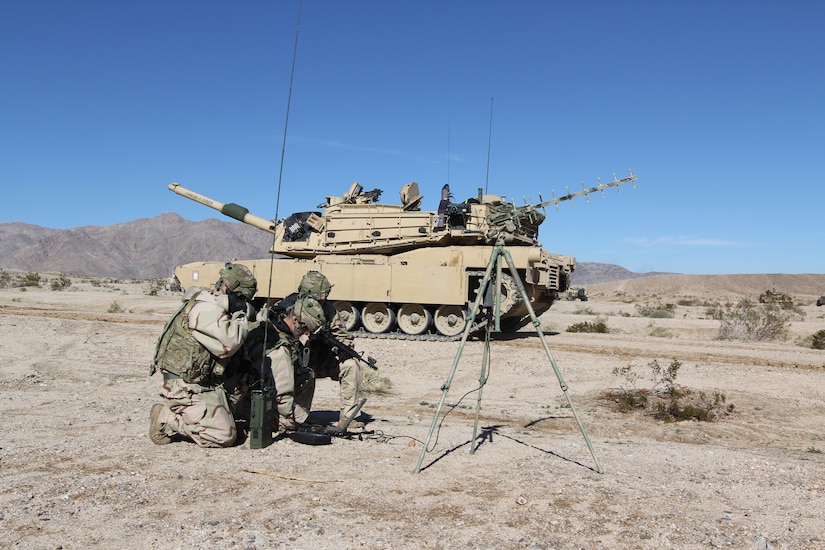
(278, 335)
(177, 352)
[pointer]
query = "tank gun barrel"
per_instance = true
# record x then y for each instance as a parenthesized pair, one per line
(231, 209)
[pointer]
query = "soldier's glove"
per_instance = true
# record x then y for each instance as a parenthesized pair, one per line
(237, 303)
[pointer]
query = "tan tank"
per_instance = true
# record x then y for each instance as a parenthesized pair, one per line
(771, 296)
(399, 271)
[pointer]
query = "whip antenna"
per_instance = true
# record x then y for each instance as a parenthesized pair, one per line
(448, 152)
(489, 141)
(283, 149)
(262, 414)
(286, 119)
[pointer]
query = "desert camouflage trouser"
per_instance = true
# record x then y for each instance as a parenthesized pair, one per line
(349, 374)
(197, 413)
(294, 388)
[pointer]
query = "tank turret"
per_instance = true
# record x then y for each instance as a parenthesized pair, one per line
(401, 271)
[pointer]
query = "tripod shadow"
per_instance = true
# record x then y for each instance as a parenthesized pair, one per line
(486, 437)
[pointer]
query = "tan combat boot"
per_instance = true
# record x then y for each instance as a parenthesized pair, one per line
(288, 423)
(156, 434)
(353, 425)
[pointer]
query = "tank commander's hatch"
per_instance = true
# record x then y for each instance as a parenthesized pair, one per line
(410, 197)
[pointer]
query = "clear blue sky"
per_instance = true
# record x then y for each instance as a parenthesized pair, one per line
(717, 107)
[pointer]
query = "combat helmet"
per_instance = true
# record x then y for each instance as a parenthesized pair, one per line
(314, 284)
(309, 312)
(238, 278)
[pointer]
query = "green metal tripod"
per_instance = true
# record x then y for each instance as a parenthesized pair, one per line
(499, 253)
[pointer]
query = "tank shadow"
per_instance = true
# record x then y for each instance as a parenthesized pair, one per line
(509, 336)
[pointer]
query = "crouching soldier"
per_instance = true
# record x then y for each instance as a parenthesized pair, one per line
(193, 353)
(287, 359)
(324, 359)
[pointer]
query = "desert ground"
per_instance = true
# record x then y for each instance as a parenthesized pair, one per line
(78, 470)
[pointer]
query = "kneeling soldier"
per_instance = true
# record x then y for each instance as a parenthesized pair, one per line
(193, 352)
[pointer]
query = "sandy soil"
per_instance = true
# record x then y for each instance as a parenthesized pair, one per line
(78, 470)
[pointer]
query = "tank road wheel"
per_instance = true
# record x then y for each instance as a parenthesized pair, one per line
(377, 317)
(349, 315)
(414, 318)
(450, 320)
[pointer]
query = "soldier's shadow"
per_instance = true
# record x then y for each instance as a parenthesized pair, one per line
(327, 418)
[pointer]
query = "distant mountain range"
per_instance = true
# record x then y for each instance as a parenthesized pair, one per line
(147, 248)
(590, 273)
(151, 248)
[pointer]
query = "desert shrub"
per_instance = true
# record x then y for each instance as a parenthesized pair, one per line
(747, 320)
(549, 328)
(374, 383)
(629, 396)
(5, 279)
(705, 409)
(661, 314)
(95, 283)
(661, 332)
(60, 283)
(818, 340)
(664, 378)
(115, 307)
(581, 310)
(688, 302)
(31, 278)
(597, 326)
(664, 399)
(657, 311)
(155, 286)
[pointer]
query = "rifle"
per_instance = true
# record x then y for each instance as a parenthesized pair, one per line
(347, 351)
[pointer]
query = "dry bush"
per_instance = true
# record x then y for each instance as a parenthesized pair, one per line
(597, 326)
(665, 400)
(375, 383)
(657, 311)
(748, 320)
(660, 332)
(29, 279)
(818, 340)
(60, 283)
(154, 286)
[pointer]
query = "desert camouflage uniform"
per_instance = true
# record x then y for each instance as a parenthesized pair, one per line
(198, 409)
(293, 380)
(325, 364)
(322, 359)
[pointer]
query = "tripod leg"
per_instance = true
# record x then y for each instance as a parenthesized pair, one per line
(446, 387)
(562, 383)
(482, 380)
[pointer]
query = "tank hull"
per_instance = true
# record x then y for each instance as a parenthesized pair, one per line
(431, 278)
